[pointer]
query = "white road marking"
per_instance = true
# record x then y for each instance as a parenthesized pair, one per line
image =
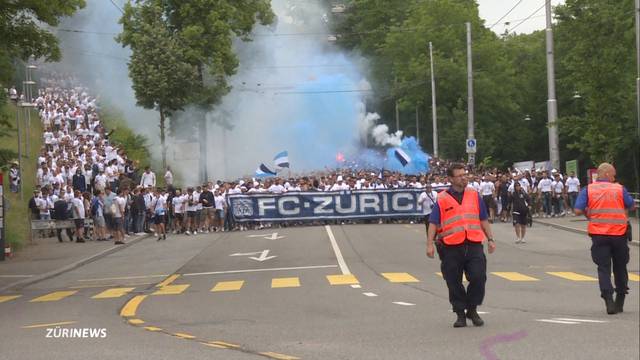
(343, 265)
(246, 254)
(356, 286)
(403, 303)
(259, 270)
(263, 256)
(369, 294)
(15, 276)
(272, 236)
(558, 321)
(581, 320)
(483, 312)
(126, 277)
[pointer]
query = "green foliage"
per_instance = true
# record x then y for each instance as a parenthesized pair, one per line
(21, 32)
(6, 131)
(135, 145)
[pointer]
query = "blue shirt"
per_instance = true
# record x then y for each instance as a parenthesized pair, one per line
(583, 198)
(434, 218)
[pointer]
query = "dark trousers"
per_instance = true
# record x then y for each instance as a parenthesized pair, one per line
(608, 251)
(69, 234)
(467, 258)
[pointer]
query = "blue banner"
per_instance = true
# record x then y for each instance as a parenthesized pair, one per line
(358, 204)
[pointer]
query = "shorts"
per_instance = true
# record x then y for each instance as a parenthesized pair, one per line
(108, 219)
(208, 211)
(191, 214)
(98, 221)
(520, 218)
(426, 221)
(179, 216)
(116, 223)
(489, 201)
(158, 219)
(79, 223)
(219, 214)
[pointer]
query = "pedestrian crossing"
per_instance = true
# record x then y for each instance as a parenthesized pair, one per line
(167, 287)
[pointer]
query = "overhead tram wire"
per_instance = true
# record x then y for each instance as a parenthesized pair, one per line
(528, 17)
(117, 6)
(505, 15)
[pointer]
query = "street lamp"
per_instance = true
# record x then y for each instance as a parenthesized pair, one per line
(576, 95)
(25, 107)
(527, 118)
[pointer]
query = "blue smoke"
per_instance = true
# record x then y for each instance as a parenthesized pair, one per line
(419, 159)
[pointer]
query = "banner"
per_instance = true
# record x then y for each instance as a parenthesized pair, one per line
(524, 166)
(358, 204)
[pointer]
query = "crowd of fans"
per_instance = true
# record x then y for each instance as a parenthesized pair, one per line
(81, 175)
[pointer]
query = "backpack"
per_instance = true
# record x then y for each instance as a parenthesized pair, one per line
(95, 204)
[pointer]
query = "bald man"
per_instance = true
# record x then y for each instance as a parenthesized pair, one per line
(606, 205)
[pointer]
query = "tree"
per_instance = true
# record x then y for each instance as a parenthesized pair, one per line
(162, 79)
(594, 39)
(22, 36)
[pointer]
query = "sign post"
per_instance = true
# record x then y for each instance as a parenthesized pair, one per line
(471, 145)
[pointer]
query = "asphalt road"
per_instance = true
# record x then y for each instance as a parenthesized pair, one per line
(283, 294)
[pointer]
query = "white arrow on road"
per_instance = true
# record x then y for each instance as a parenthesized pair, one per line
(247, 254)
(263, 256)
(272, 236)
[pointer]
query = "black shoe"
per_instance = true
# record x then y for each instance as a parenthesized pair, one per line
(79, 240)
(611, 306)
(59, 239)
(164, 236)
(159, 238)
(619, 303)
(119, 243)
(461, 321)
(475, 318)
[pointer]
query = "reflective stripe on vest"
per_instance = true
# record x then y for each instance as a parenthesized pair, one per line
(460, 222)
(606, 209)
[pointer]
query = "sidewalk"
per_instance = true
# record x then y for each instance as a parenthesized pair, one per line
(578, 224)
(45, 258)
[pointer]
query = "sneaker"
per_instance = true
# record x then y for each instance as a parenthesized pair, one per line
(187, 232)
(119, 243)
(164, 237)
(522, 241)
(475, 318)
(461, 321)
(155, 234)
(517, 241)
(79, 240)
(206, 232)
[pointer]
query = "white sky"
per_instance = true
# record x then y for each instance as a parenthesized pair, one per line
(492, 10)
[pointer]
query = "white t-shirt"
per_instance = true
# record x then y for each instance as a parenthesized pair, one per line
(120, 203)
(168, 178)
(220, 201)
(196, 196)
(487, 188)
(192, 201)
(276, 189)
(178, 203)
(78, 208)
(557, 186)
(573, 184)
(427, 201)
(545, 185)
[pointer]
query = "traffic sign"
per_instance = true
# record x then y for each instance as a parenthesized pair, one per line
(471, 146)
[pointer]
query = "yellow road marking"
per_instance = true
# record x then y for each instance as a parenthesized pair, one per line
(214, 345)
(515, 276)
(274, 355)
(113, 293)
(130, 308)
(152, 328)
(225, 344)
(48, 325)
(54, 296)
(107, 285)
(285, 282)
(124, 278)
(228, 286)
(184, 336)
(168, 280)
(8, 298)
(572, 276)
(632, 277)
(171, 290)
(136, 321)
(347, 279)
(400, 277)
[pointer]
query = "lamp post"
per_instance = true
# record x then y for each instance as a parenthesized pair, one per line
(29, 97)
(552, 104)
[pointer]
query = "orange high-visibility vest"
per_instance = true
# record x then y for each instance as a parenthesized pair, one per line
(606, 209)
(459, 221)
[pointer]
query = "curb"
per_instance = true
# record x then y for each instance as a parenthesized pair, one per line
(574, 230)
(26, 282)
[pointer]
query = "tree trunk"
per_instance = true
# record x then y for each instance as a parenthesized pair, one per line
(162, 143)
